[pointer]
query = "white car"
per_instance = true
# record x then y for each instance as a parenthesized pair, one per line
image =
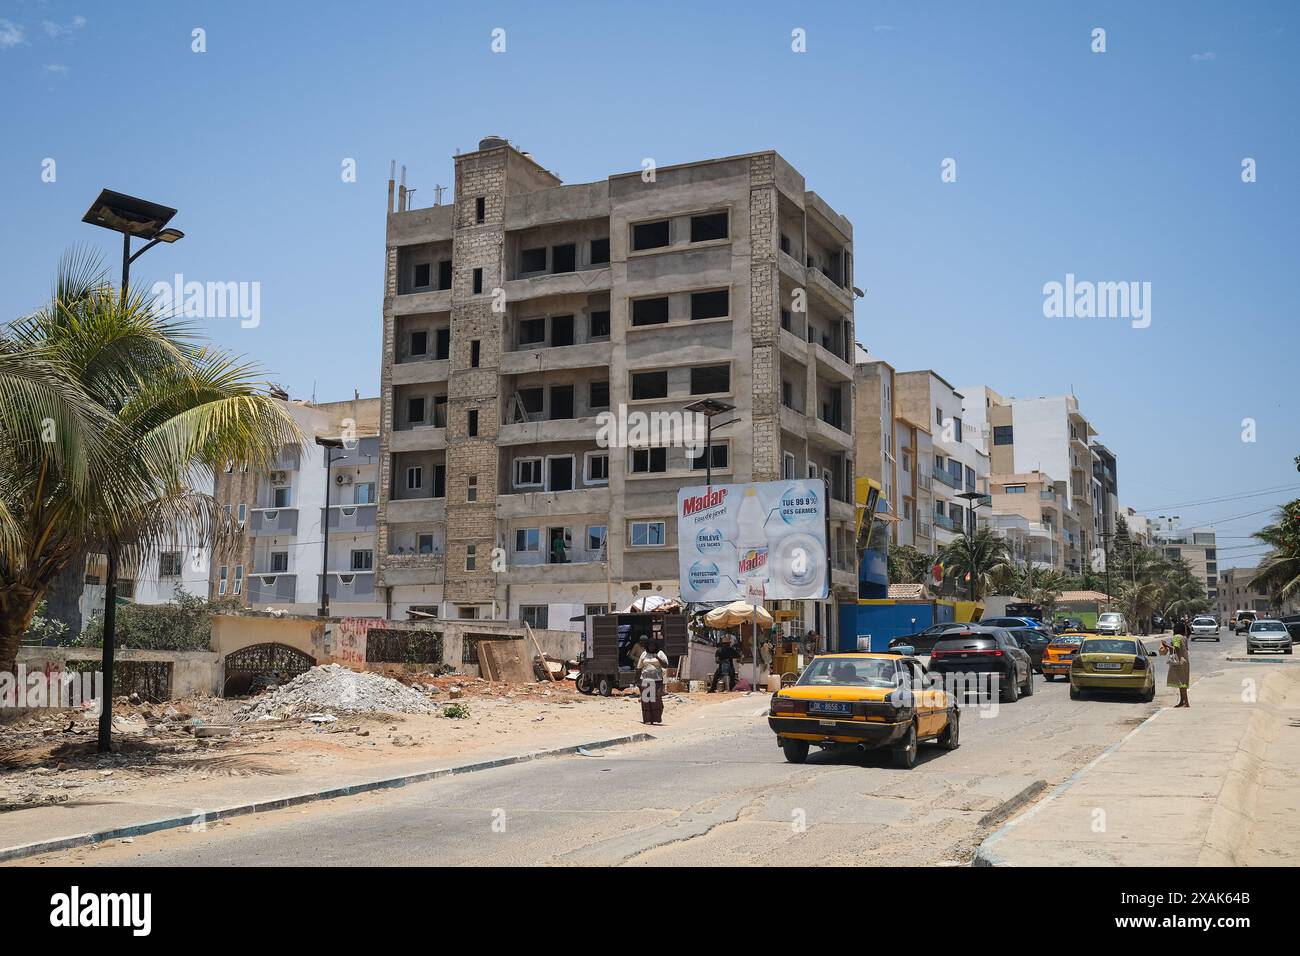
(1205, 627)
(1268, 636)
(1111, 623)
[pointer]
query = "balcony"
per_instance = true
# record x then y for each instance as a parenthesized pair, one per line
(274, 521)
(556, 357)
(945, 522)
(421, 438)
(353, 519)
(273, 587)
(416, 510)
(554, 429)
(923, 481)
(579, 501)
(952, 481)
(420, 372)
(351, 585)
(414, 303)
(923, 529)
(558, 283)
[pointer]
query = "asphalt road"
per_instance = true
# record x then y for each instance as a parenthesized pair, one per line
(720, 793)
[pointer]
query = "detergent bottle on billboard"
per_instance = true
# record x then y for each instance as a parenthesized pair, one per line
(751, 538)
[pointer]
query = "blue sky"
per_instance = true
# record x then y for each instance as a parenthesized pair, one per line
(1115, 166)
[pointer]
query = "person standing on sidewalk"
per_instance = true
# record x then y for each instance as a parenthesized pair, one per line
(1180, 665)
(653, 665)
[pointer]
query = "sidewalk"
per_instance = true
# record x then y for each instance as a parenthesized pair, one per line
(1209, 786)
(41, 829)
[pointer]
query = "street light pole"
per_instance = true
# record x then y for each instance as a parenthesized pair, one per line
(329, 444)
(148, 220)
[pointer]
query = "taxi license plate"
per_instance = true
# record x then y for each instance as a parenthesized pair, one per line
(843, 708)
(1106, 666)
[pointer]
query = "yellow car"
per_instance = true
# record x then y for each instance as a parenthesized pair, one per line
(1058, 654)
(865, 701)
(1113, 664)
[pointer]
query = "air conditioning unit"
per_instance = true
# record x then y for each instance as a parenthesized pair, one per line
(279, 477)
(344, 479)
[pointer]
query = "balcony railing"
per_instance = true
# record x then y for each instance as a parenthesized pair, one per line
(943, 521)
(952, 481)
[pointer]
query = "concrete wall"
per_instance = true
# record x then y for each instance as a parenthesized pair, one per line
(193, 672)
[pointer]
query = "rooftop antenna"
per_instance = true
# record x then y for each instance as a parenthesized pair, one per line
(313, 391)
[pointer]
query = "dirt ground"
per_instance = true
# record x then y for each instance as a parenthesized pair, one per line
(49, 757)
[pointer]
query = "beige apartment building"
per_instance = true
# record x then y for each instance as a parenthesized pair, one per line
(527, 317)
(1050, 435)
(948, 464)
(1237, 592)
(896, 451)
(1029, 511)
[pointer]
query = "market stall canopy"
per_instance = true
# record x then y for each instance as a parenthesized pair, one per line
(738, 612)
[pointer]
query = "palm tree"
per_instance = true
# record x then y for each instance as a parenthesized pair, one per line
(908, 565)
(108, 409)
(983, 555)
(1279, 572)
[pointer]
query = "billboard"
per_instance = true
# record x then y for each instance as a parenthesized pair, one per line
(731, 537)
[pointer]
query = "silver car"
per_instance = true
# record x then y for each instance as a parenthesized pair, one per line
(1111, 624)
(1206, 627)
(1268, 635)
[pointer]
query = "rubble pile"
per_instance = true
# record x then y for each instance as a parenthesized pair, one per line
(333, 688)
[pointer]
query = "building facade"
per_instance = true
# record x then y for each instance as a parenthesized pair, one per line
(528, 324)
(1197, 546)
(283, 509)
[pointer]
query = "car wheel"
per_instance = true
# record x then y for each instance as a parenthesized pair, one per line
(796, 751)
(1075, 693)
(1028, 689)
(583, 684)
(904, 752)
(1010, 690)
(605, 688)
(950, 739)
(1149, 694)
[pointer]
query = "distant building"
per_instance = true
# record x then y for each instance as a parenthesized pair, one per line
(1196, 546)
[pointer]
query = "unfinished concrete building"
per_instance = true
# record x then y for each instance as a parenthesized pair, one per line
(517, 315)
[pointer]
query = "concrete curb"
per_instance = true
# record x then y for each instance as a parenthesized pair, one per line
(1011, 805)
(279, 803)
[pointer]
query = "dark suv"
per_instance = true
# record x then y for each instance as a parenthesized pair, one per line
(982, 651)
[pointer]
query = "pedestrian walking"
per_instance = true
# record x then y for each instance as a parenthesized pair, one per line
(1180, 665)
(725, 656)
(652, 666)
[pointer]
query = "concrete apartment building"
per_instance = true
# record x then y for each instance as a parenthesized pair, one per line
(283, 510)
(1047, 435)
(954, 464)
(1029, 511)
(1238, 593)
(517, 315)
(896, 451)
(1197, 546)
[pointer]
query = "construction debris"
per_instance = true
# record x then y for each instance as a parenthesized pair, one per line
(334, 688)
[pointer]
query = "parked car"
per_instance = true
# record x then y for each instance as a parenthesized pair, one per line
(865, 701)
(1034, 642)
(1111, 624)
(1113, 664)
(1268, 635)
(1058, 655)
(1242, 620)
(923, 641)
(1292, 622)
(984, 651)
(1204, 627)
(1013, 622)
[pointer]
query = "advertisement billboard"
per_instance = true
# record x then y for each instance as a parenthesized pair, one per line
(732, 537)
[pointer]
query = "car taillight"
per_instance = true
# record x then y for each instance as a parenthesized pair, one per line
(783, 705)
(1139, 663)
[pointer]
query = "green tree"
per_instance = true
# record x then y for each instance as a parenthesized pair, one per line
(107, 410)
(1279, 572)
(908, 565)
(984, 555)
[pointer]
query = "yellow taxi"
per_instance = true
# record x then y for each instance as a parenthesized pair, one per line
(864, 700)
(1059, 653)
